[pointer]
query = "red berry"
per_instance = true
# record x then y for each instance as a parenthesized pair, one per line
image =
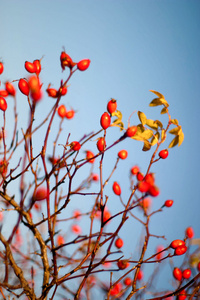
(189, 232)
(143, 186)
(60, 240)
(95, 177)
(187, 273)
(180, 250)
(1, 67)
(140, 176)
(75, 146)
(66, 61)
(89, 155)
(34, 84)
(159, 255)
(41, 194)
(146, 203)
(37, 65)
(123, 154)
(116, 189)
(182, 295)
(3, 167)
(3, 93)
(70, 114)
(116, 289)
(176, 243)
(149, 178)
(177, 274)
(198, 267)
(154, 191)
(10, 89)
(122, 264)
(131, 131)
(77, 214)
(105, 120)
(3, 104)
(106, 216)
(52, 92)
(83, 64)
(135, 170)
(163, 153)
(30, 67)
(35, 88)
(101, 144)
(62, 111)
(119, 243)
(23, 86)
(63, 90)
(127, 281)
(36, 96)
(169, 203)
(76, 229)
(140, 275)
(112, 106)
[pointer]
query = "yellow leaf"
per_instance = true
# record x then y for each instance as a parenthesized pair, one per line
(181, 138)
(155, 102)
(174, 142)
(147, 146)
(163, 135)
(142, 117)
(147, 134)
(174, 121)
(151, 124)
(158, 123)
(164, 110)
(175, 130)
(157, 94)
(140, 129)
(155, 139)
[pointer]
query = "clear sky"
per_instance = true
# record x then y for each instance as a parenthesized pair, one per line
(134, 47)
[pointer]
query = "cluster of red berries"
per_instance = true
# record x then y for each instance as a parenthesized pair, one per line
(179, 247)
(146, 184)
(66, 61)
(64, 113)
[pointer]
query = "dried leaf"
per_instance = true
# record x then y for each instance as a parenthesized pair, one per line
(147, 146)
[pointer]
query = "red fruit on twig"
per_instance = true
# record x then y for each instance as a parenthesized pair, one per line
(112, 106)
(23, 86)
(105, 120)
(177, 274)
(116, 188)
(3, 104)
(163, 153)
(83, 64)
(123, 154)
(131, 131)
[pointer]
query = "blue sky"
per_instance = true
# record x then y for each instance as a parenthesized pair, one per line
(134, 47)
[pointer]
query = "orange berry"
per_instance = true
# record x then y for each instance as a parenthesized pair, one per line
(89, 156)
(116, 188)
(123, 154)
(131, 131)
(119, 243)
(62, 111)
